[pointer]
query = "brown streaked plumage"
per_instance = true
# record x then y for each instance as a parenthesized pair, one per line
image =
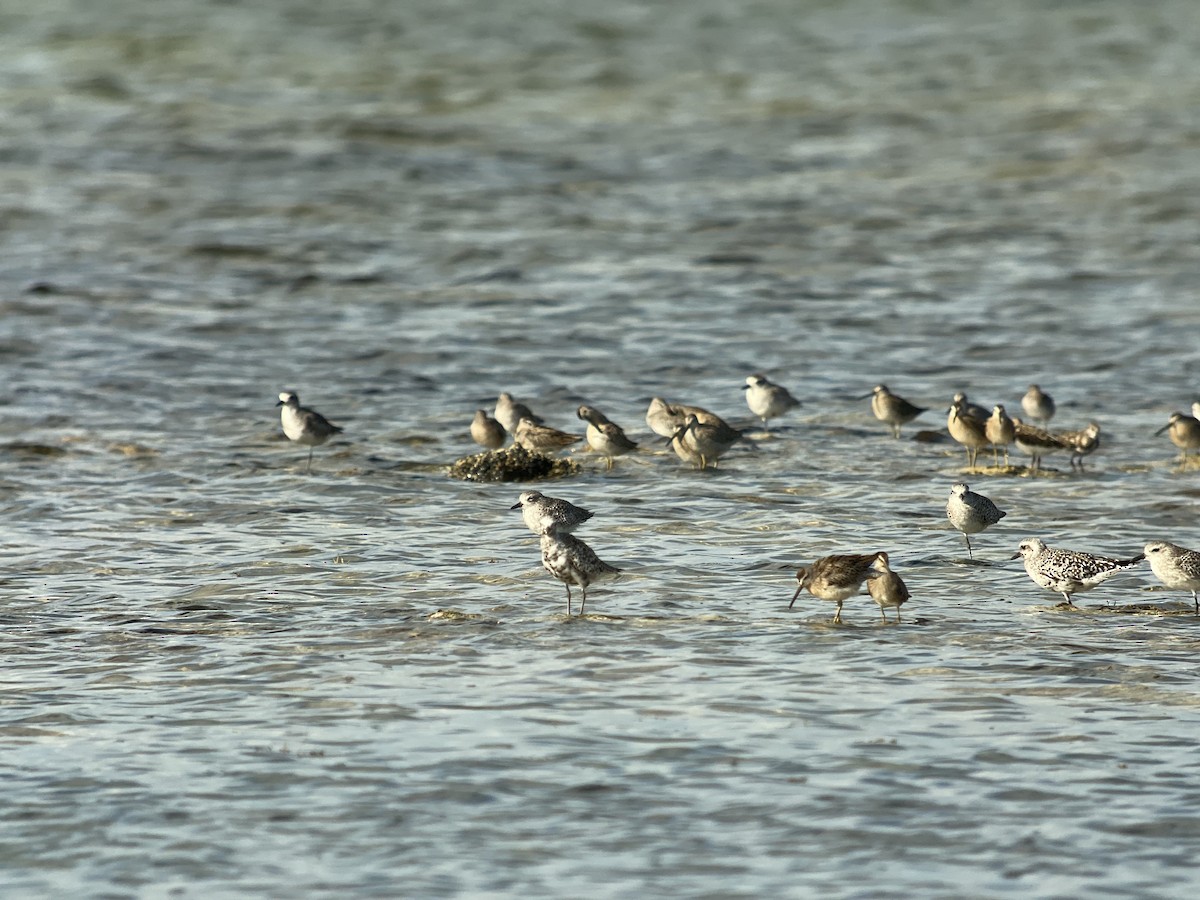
(605, 437)
(542, 438)
(834, 578)
(886, 587)
(969, 432)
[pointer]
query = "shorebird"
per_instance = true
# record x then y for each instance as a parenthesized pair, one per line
(967, 431)
(1069, 571)
(703, 443)
(891, 408)
(1000, 432)
(542, 438)
(572, 561)
(971, 513)
(766, 399)
(664, 418)
(303, 425)
(1081, 443)
(1176, 567)
(544, 515)
(886, 587)
(835, 578)
(1036, 442)
(1184, 432)
(509, 413)
(1038, 404)
(605, 437)
(970, 410)
(486, 431)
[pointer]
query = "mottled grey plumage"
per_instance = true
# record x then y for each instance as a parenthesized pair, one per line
(304, 426)
(572, 561)
(970, 512)
(546, 515)
(766, 399)
(1184, 432)
(892, 408)
(486, 431)
(834, 578)
(1038, 404)
(605, 437)
(1176, 567)
(1069, 571)
(886, 587)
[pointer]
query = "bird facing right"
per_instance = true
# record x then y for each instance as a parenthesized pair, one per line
(1069, 571)
(1176, 567)
(970, 512)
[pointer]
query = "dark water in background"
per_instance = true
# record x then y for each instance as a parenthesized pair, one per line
(223, 678)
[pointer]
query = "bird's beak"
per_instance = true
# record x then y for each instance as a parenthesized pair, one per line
(1016, 555)
(795, 595)
(865, 396)
(1164, 428)
(516, 505)
(279, 403)
(745, 387)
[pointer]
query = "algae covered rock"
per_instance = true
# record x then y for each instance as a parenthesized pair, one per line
(511, 464)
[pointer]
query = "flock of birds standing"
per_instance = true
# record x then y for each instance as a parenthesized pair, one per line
(700, 438)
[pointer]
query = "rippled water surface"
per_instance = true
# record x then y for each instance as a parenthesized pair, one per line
(224, 677)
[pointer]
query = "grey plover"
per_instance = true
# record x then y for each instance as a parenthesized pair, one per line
(1081, 443)
(766, 399)
(304, 426)
(509, 413)
(486, 431)
(572, 561)
(892, 408)
(603, 436)
(1069, 571)
(544, 515)
(1184, 432)
(1038, 405)
(1176, 567)
(834, 578)
(970, 512)
(886, 587)
(1035, 442)
(969, 409)
(542, 438)
(703, 443)
(1000, 432)
(969, 432)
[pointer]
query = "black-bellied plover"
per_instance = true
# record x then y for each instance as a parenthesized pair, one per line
(970, 512)
(886, 587)
(1069, 571)
(603, 436)
(304, 426)
(544, 515)
(834, 578)
(766, 399)
(891, 408)
(572, 561)
(1184, 432)
(542, 438)
(1038, 405)
(486, 431)
(969, 432)
(1000, 432)
(509, 413)
(1176, 567)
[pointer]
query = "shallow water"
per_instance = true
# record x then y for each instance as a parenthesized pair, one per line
(226, 678)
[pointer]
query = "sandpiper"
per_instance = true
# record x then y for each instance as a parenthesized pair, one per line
(835, 578)
(605, 437)
(1176, 567)
(542, 438)
(969, 409)
(971, 513)
(509, 413)
(1000, 432)
(1038, 404)
(1081, 443)
(891, 408)
(665, 418)
(544, 514)
(572, 561)
(486, 431)
(886, 587)
(703, 443)
(1036, 442)
(967, 431)
(1184, 432)
(303, 425)
(766, 399)
(1069, 571)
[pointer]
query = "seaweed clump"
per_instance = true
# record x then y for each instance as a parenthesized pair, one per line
(512, 464)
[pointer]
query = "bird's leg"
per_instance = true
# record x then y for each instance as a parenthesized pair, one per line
(1070, 602)
(308, 468)
(1196, 602)
(837, 616)
(583, 602)
(970, 552)
(568, 587)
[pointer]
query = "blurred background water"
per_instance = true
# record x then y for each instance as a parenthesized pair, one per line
(225, 678)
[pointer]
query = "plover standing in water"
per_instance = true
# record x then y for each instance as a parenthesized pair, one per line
(886, 587)
(1038, 405)
(1069, 571)
(544, 515)
(1000, 432)
(1036, 442)
(1184, 432)
(509, 413)
(605, 437)
(969, 432)
(486, 431)
(572, 561)
(834, 578)
(1081, 443)
(1176, 567)
(891, 408)
(542, 438)
(971, 513)
(766, 399)
(304, 426)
